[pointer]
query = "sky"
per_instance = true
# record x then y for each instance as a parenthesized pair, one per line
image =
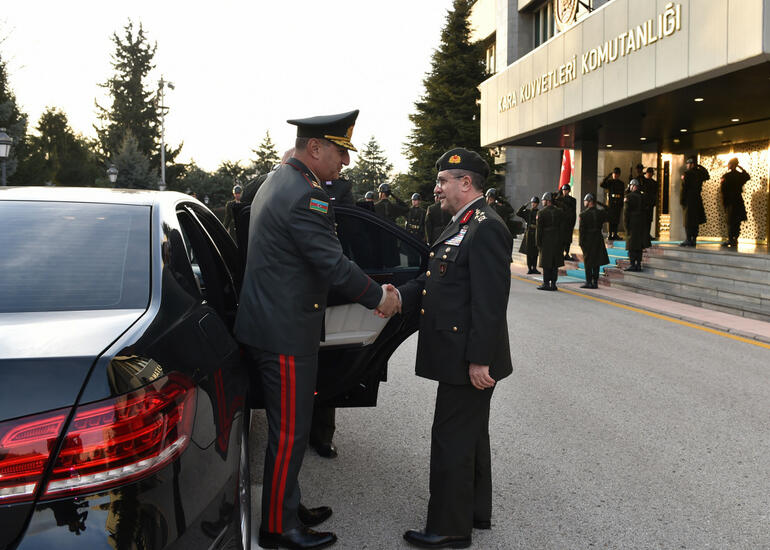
(239, 68)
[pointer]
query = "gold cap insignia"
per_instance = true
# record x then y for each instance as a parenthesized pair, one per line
(455, 159)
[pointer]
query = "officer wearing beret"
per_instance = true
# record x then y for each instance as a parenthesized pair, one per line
(528, 213)
(436, 220)
(294, 257)
(463, 344)
(548, 234)
(614, 188)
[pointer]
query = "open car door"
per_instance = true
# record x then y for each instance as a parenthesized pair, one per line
(353, 357)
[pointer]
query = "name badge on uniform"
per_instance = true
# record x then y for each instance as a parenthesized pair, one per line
(457, 239)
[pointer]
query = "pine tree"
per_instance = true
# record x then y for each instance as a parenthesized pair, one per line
(447, 115)
(133, 166)
(15, 124)
(370, 170)
(267, 156)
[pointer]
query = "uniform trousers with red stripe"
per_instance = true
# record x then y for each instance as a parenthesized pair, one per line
(288, 385)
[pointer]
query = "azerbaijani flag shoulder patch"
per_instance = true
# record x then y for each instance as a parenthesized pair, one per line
(319, 206)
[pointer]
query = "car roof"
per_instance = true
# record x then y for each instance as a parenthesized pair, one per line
(142, 197)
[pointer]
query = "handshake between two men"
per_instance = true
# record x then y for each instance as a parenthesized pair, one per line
(390, 303)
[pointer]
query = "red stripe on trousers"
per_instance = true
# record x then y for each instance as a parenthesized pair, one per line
(289, 439)
(278, 457)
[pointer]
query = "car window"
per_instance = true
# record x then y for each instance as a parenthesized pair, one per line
(221, 240)
(57, 256)
(373, 247)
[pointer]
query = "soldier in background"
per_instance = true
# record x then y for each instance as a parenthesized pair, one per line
(415, 219)
(691, 200)
(614, 187)
(649, 190)
(568, 204)
(528, 212)
(436, 220)
(501, 206)
(732, 198)
(386, 209)
(635, 218)
(229, 221)
(367, 202)
(548, 233)
(591, 241)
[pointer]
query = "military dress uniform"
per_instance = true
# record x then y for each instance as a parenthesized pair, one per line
(462, 299)
(568, 204)
(436, 220)
(390, 210)
(528, 242)
(649, 189)
(340, 191)
(692, 201)
(592, 243)
(548, 234)
(415, 222)
(294, 257)
(637, 230)
(732, 199)
(614, 189)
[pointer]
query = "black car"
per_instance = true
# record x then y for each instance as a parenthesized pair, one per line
(124, 398)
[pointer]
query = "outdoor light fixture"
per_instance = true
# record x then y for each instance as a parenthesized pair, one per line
(5, 150)
(720, 132)
(676, 140)
(566, 135)
(642, 139)
(735, 120)
(539, 142)
(112, 173)
(609, 145)
(683, 130)
(698, 99)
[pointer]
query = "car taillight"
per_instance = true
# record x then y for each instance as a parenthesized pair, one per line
(107, 443)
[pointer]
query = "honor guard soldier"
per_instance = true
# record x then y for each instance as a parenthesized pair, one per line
(367, 202)
(436, 220)
(463, 344)
(386, 209)
(692, 201)
(591, 241)
(294, 257)
(649, 190)
(548, 233)
(635, 218)
(415, 219)
(501, 206)
(528, 212)
(614, 189)
(568, 204)
(229, 221)
(732, 199)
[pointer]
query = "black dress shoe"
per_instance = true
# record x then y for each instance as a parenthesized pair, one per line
(544, 286)
(429, 540)
(326, 450)
(310, 517)
(482, 524)
(300, 538)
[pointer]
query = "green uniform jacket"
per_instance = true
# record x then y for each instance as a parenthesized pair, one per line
(415, 222)
(294, 258)
(615, 189)
(635, 220)
(548, 234)
(528, 243)
(390, 210)
(463, 298)
(732, 194)
(690, 199)
(435, 222)
(590, 236)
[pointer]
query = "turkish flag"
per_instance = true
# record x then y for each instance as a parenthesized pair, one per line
(566, 168)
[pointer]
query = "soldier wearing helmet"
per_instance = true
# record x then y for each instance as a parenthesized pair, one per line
(591, 240)
(528, 212)
(229, 221)
(386, 209)
(548, 233)
(415, 219)
(614, 188)
(501, 206)
(568, 204)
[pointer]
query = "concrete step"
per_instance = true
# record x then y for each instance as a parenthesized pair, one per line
(721, 274)
(726, 258)
(715, 298)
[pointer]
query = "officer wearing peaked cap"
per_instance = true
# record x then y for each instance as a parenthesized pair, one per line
(463, 344)
(290, 268)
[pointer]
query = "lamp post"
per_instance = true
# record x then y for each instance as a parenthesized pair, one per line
(112, 173)
(5, 150)
(163, 109)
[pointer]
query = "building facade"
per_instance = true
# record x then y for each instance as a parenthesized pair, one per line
(623, 82)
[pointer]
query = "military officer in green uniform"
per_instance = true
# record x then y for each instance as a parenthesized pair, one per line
(635, 220)
(436, 220)
(528, 212)
(294, 258)
(463, 344)
(692, 201)
(548, 234)
(415, 218)
(386, 209)
(614, 189)
(591, 241)
(568, 204)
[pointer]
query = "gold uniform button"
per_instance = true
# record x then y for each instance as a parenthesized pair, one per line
(422, 312)
(448, 249)
(316, 306)
(443, 257)
(454, 329)
(424, 292)
(427, 273)
(432, 254)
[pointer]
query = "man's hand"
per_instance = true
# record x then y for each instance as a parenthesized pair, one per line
(480, 376)
(391, 303)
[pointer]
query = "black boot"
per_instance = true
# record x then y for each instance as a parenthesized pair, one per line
(300, 537)
(588, 283)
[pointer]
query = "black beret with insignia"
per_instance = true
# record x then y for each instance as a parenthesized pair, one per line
(463, 159)
(336, 128)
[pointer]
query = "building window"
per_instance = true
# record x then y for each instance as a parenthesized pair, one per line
(490, 57)
(544, 23)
